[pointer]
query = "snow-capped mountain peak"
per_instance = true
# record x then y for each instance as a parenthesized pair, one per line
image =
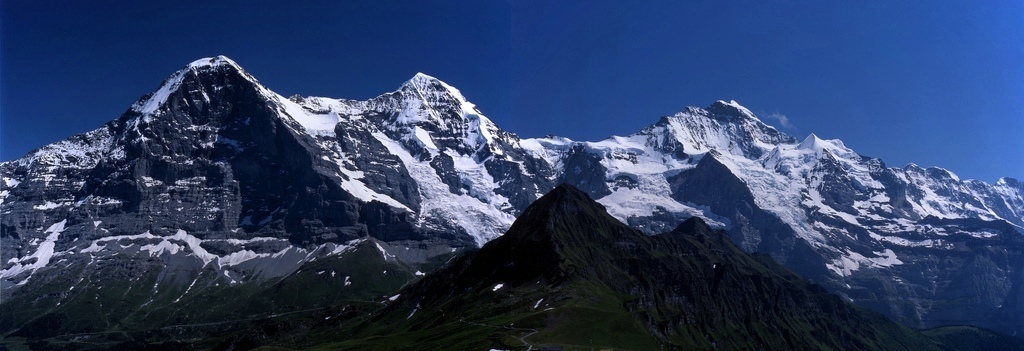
(1010, 182)
(216, 61)
(225, 160)
(199, 70)
(724, 126)
(426, 81)
(435, 94)
(811, 142)
(428, 87)
(731, 109)
(429, 114)
(818, 145)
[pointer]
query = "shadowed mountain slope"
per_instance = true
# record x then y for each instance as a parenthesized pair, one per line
(568, 274)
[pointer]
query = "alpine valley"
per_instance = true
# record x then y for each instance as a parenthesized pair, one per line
(215, 213)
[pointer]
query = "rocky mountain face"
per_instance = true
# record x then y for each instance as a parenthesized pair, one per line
(566, 260)
(908, 242)
(214, 180)
(568, 275)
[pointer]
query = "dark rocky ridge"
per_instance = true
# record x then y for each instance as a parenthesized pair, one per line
(690, 288)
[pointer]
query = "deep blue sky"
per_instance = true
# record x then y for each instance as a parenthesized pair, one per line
(934, 83)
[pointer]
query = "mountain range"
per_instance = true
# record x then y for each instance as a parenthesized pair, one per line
(569, 275)
(214, 186)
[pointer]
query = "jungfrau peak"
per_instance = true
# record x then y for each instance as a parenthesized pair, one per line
(214, 181)
(724, 126)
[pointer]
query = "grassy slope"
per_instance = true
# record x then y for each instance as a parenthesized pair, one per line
(964, 338)
(127, 312)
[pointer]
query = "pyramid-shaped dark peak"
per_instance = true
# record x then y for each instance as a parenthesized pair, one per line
(567, 217)
(565, 200)
(693, 225)
(565, 192)
(563, 227)
(206, 80)
(695, 228)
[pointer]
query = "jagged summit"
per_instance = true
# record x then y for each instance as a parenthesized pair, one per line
(812, 142)
(939, 172)
(731, 108)
(931, 171)
(424, 97)
(210, 73)
(215, 61)
(439, 95)
(423, 83)
(1010, 181)
(429, 115)
(422, 77)
(723, 126)
(833, 147)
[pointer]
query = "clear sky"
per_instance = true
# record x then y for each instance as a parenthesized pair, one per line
(937, 83)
